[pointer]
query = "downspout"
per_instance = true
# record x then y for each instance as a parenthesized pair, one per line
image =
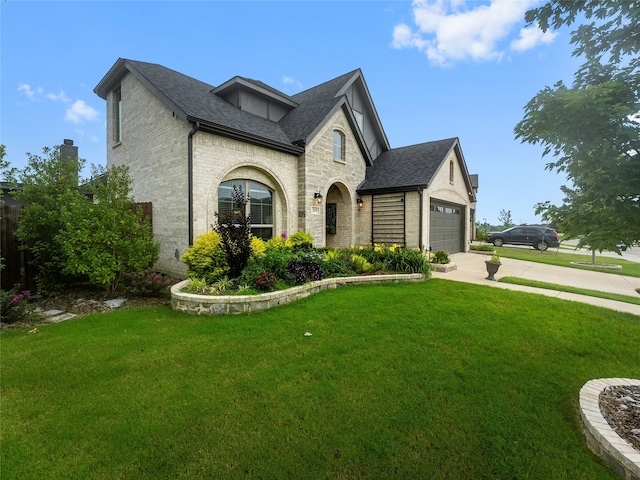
(420, 220)
(196, 127)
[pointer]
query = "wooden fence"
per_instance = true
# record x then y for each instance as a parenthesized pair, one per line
(18, 267)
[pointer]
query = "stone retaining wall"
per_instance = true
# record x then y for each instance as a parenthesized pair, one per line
(621, 457)
(222, 304)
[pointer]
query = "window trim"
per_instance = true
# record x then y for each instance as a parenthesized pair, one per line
(451, 172)
(343, 145)
(117, 116)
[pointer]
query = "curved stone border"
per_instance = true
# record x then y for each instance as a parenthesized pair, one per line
(222, 304)
(601, 438)
(603, 266)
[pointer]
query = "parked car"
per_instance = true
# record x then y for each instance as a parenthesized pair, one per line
(539, 238)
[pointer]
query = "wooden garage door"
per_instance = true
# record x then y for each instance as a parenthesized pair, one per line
(388, 218)
(447, 227)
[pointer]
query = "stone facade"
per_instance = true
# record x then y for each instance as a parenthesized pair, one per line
(158, 168)
(152, 115)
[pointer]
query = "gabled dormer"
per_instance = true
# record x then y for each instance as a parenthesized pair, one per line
(256, 97)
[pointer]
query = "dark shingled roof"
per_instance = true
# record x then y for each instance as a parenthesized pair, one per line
(412, 166)
(195, 101)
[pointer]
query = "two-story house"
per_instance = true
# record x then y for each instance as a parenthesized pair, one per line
(318, 161)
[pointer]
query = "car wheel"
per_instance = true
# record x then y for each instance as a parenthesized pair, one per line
(497, 242)
(541, 245)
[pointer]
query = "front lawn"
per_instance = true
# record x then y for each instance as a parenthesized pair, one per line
(559, 258)
(432, 380)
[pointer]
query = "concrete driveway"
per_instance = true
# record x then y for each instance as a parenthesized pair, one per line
(471, 269)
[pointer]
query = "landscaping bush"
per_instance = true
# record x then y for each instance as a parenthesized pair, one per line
(234, 228)
(206, 259)
(265, 281)
(145, 283)
(441, 257)
(276, 261)
(105, 238)
(407, 260)
(482, 248)
(301, 241)
(258, 247)
(306, 267)
(359, 264)
(336, 267)
(14, 304)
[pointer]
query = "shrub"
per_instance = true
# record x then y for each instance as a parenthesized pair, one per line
(265, 281)
(481, 235)
(306, 268)
(336, 267)
(102, 239)
(206, 258)
(441, 257)
(222, 285)
(145, 283)
(359, 264)
(301, 241)
(198, 286)
(482, 248)
(407, 260)
(234, 228)
(258, 247)
(278, 243)
(276, 261)
(14, 304)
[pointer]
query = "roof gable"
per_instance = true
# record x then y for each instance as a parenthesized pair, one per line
(412, 167)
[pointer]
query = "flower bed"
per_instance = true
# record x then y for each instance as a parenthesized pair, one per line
(223, 304)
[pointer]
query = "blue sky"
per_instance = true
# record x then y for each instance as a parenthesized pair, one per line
(435, 69)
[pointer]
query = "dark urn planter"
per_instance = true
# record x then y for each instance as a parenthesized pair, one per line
(492, 269)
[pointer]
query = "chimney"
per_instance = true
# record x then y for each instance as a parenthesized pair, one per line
(69, 153)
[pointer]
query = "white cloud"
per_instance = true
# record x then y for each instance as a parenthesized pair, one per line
(531, 37)
(290, 81)
(449, 30)
(30, 93)
(58, 97)
(80, 112)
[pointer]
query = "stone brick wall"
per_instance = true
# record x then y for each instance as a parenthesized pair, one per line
(217, 159)
(154, 146)
(320, 171)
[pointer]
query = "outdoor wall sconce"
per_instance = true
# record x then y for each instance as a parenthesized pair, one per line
(318, 197)
(360, 203)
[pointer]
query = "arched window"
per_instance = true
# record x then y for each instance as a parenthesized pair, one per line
(338, 145)
(451, 171)
(260, 205)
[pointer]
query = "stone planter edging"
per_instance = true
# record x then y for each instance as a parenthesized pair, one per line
(602, 440)
(223, 304)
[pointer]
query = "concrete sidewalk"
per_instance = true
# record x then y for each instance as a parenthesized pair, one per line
(471, 269)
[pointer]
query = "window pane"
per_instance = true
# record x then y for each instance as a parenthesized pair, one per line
(265, 233)
(261, 200)
(338, 145)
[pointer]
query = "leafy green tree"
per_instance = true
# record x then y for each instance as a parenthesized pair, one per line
(50, 188)
(505, 219)
(592, 128)
(106, 238)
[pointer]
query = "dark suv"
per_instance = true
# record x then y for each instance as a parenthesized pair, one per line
(539, 238)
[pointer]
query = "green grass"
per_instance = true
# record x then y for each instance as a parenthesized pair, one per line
(555, 257)
(433, 380)
(568, 289)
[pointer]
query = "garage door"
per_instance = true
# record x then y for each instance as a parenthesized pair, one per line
(447, 227)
